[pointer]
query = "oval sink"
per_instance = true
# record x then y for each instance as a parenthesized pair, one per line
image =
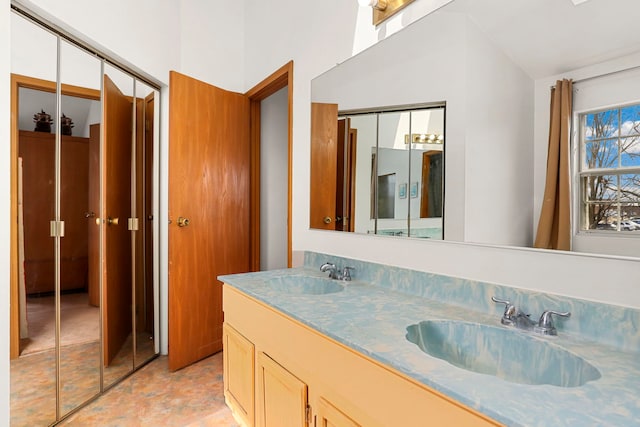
(304, 285)
(511, 355)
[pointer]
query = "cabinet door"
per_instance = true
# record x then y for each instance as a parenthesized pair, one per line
(281, 397)
(330, 416)
(238, 357)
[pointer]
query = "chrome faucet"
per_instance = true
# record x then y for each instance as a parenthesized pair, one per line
(346, 273)
(515, 317)
(331, 268)
(545, 324)
(333, 271)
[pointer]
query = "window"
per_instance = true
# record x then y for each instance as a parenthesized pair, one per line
(609, 169)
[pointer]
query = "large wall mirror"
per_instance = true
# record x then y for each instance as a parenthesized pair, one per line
(487, 64)
(84, 148)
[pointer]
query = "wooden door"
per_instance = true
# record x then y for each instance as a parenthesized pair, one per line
(147, 217)
(324, 148)
(93, 210)
(117, 264)
(346, 176)
(209, 188)
(281, 396)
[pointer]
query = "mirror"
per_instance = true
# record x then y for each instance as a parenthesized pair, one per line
(84, 153)
(34, 160)
(147, 119)
(119, 242)
(489, 64)
(388, 171)
(79, 124)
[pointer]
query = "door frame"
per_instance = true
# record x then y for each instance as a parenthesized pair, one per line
(19, 81)
(279, 79)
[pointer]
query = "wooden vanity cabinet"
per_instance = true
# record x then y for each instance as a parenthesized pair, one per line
(282, 398)
(238, 370)
(304, 378)
(328, 415)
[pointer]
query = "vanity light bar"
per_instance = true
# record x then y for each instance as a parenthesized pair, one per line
(424, 138)
(384, 9)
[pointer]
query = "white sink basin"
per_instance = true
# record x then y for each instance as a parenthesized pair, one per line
(304, 285)
(508, 354)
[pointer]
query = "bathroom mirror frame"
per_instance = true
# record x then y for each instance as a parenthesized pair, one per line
(449, 35)
(149, 131)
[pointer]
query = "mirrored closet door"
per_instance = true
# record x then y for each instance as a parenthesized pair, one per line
(84, 179)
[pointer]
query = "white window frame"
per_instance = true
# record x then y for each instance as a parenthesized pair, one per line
(581, 171)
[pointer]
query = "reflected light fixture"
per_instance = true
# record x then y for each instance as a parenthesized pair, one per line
(383, 9)
(424, 138)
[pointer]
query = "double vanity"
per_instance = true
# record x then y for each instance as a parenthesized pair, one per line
(400, 347)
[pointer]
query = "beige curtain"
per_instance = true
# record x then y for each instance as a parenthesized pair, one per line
(554, 226)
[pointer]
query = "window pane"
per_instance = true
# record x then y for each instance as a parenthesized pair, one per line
(601, 125)
(601, 216)
(627, 224)
(601, 154)
(630, 120)
(632, 211)
(599, 187)
(630, 149)
(630, 188)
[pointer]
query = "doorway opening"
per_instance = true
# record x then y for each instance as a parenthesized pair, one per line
(271, 91)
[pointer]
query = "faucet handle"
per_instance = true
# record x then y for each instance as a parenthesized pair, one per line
(545, 324)
(326, 266)
(510, 311)
(331, 268)
(501, 301)
(346, 273)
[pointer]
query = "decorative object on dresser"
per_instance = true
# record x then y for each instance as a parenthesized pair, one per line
(43, 121)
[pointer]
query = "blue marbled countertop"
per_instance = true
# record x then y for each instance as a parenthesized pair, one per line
(373, 320)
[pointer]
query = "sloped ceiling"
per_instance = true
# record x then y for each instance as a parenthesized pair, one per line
(549, 37)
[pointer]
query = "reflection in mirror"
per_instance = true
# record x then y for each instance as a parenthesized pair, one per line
(83, 180)
(117, 208)
(33, 364)
(79, 124)
(391, 175)
(427, 173)
(491, 64)
(145, 125)
(388, 171)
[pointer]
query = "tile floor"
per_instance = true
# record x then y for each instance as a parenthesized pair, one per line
(153, 396)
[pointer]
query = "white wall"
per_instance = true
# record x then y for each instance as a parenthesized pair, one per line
(274, 180)
(212, 41)
(366, 126)
(499, 147)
